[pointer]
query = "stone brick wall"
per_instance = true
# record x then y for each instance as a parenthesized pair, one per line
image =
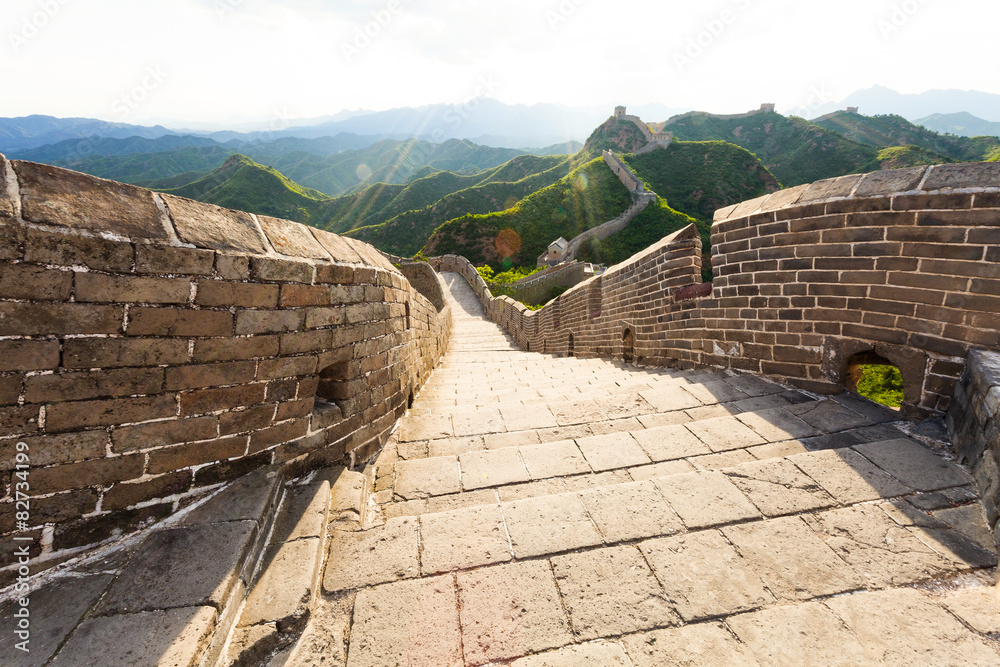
(900, 265)
(974, 424)
(152, 347)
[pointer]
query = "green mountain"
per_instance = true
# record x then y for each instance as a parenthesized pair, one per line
(899, 157)
(886, 131)
(143, 168)
(794, 150)
(693, 179)
(963, 124)
(243, 184)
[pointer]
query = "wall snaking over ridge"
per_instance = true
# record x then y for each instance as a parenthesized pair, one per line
(902, 266)
(153, 347)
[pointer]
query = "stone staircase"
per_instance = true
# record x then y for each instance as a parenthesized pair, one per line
(534, 510)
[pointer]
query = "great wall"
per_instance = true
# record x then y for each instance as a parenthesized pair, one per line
(178, 373)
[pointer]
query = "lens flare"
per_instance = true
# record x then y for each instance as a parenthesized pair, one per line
(363, 172)
(508, 243)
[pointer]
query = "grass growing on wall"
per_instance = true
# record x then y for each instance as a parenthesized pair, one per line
(882, 384)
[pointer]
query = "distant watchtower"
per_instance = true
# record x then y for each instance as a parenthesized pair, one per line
(767, 108)
(852, 109)
(619, 111)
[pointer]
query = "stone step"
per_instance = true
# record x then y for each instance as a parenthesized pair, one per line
(285, 589)
(914, 486)
(169, 597)
(673, 442)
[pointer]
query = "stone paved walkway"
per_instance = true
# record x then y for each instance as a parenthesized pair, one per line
(534, 510)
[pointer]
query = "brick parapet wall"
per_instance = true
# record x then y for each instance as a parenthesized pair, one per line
(903, 265)
(974, 425)
(152, 347)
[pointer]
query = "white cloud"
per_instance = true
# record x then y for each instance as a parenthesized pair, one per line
(240, 59)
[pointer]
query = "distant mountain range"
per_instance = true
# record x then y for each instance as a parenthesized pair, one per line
(882, 100)
(963, 124)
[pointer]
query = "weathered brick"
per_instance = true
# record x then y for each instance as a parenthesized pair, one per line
(127, 494)
(278, 434)
(81, 414)
(334, 274)
(179, 322)
(232, 267)
(943, 251)
(250, 322)
(294, 409)
(100, 472)
(927, 234)
(29, 355)
(105, 383)
(57, 448)
(984, 303)
(221, 398)
(34, 283)
(229, 470)
(10, 388)
(210, 375)
(244, 421)
(280, 270)
(292, 238)
(241, 295)
(186, 456)
(284, 367)
(163, 433)
(91, 530)
(26, 319)
(919, 202)
(281, 390)
(167, 260)
(293, 296)
(97, 287)
(123, 352)
(65, 250)
(235, 349)
(325, 317)
(967, 175)
(18, 420)
(306, 341)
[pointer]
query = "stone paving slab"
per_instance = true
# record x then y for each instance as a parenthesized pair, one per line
(554, 459)
(698, 645)
(284, 590)
(725, 433)
(380, 555)
(704, 577)
(549, 524)
(902, 626)
(172, 637)
(665, 443)
(704, 499)
(793, 562)
(462, 539)
(509, 611)
(213, 556)
(494, 467)
(54, 612)
(412, 622)
(628, 512)
(914, 465)
(596, 654)
(848, 476)
(610, 592)
(777, 487)
(616, 450)
(421, 478)
(803, 634)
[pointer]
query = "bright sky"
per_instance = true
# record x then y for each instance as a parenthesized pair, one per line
(138, 61)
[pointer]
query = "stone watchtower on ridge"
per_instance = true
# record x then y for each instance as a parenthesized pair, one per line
(620, 111)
